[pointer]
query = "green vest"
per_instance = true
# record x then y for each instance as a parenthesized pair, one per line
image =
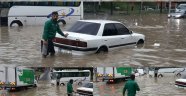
(69, 88)
(50, 29)
(131, 86)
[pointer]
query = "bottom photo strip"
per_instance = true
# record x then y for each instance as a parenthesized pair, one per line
(92, 81)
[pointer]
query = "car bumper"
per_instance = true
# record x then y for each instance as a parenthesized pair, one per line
(75, 48)
(174, 16)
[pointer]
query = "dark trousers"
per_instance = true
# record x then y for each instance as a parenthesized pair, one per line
(156, 75)
(49, 48)
(57, 83)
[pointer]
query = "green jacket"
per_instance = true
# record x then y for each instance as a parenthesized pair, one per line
(50, 29)
(131, 86)
(69, 88)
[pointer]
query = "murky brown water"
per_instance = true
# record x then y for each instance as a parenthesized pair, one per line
(44, 88)
(22, 45)
(151, 87)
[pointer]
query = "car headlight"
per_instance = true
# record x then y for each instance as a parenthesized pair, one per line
(178, 16)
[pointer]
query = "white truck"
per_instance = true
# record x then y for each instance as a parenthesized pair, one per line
(16, 77)
(116, 74)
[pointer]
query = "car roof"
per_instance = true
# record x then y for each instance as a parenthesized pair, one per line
(100, 21)
(183, 4)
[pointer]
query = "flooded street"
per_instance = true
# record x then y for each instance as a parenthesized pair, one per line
(44, 88)
(151, 87)
(165, 45)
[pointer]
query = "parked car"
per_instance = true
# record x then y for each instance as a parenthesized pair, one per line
(97, 36)
(86, 89)
(179, 14)
(181, 7)
(168, 72)
(139, 72)
(181, 82)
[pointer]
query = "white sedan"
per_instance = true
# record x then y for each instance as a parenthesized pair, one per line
(180, 14)
(86, 89)
(97, 36)
(181, 83)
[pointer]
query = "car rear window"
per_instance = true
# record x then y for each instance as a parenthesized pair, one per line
(88, 85)
(85, 28)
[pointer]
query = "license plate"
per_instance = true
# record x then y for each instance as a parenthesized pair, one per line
(64, 51)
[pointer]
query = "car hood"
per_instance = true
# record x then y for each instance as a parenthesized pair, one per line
(79, 36)
(85, 89)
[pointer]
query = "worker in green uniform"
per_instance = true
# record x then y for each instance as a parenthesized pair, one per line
(50, 29)
(131, 86)
(70, 88)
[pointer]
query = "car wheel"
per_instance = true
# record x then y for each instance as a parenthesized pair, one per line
(80, 83)
(62, 84)
(160, 75)
(102, 49)
(178, 75)
(16, 23)
(140, 43)
(35, 85)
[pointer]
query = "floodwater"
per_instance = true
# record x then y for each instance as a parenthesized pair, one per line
(165, 45)
(151, 87)
(44, 88)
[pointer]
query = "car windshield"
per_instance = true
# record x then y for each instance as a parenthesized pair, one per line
(181, 7)
(85, 28)
(88, 85)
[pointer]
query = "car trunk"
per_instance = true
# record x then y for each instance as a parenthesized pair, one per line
(73, 39)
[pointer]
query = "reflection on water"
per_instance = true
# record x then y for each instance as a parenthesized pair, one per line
(44, 88)
(4, 34)
(22, 45)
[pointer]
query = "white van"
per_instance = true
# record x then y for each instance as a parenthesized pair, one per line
(37, 15)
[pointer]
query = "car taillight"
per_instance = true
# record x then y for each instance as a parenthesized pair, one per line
(76, 42)
(13, 89)
(111, 80)
(81, 44)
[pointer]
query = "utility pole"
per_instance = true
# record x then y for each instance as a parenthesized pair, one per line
(111, 6)
(141, 7)
(169, 6)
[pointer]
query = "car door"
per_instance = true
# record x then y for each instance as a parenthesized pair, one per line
(110, 36)
(125, 35)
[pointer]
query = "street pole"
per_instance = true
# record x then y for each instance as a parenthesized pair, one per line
(111, 10)
(169, 6)
(141, 6)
